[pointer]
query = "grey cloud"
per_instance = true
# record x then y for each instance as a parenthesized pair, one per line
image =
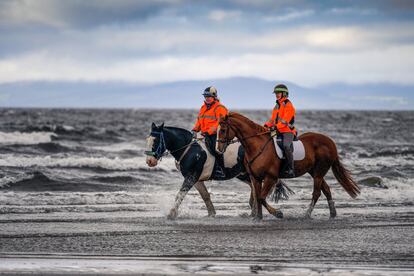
(92, 13)
(79, 13)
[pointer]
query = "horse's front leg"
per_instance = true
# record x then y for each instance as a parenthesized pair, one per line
(188, 183)
(257, 204)
(268, 184)
(205, 195)
(252, 202)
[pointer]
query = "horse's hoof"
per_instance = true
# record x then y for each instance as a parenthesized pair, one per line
(172, 215)
(278, 214)
(245, 215)
(308, 217)
(212, 215)
(257, 219)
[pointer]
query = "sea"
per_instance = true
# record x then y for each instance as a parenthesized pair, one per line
(89, 165)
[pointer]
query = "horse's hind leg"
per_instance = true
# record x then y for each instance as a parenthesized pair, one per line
(205, 195)
(317, 184)
(327, 192)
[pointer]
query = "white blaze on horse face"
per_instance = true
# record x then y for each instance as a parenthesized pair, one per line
(151, 160)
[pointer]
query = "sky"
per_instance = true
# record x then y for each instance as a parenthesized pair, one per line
(310, 43)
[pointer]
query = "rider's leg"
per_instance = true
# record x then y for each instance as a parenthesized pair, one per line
(288, 148)
(211, 143)
(219, 157)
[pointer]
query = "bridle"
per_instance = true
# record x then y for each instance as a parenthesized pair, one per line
(227, 141)
(161, 150)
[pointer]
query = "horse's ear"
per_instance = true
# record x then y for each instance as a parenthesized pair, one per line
(153, 126)
(162, 125)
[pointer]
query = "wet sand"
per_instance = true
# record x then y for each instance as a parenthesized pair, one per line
(378, 242)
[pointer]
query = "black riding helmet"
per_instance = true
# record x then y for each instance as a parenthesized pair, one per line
(210, 91)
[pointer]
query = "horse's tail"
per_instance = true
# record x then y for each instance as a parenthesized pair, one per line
(280, 191)
(345, 179)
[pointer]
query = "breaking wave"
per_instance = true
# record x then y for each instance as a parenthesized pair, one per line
(23, 138)
(105, 163)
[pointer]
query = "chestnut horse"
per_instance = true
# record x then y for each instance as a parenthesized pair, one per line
(263, 164)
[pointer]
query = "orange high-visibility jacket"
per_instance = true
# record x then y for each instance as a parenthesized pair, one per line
(208, 118)
(283, 116)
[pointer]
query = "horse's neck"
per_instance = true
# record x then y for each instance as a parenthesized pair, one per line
(176, 140)
(245, 130)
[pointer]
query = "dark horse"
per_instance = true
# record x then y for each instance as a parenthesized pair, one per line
(263, 164)
(196, 163)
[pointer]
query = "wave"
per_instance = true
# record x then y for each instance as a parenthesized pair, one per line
(37, 181)
(60, 129)
(23, 138)
(67, 132)
(135, 147)
(404, 151)
(105, 163)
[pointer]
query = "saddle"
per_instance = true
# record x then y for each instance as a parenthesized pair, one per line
(298, 148)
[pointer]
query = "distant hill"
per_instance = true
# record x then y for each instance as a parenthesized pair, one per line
(236, 93)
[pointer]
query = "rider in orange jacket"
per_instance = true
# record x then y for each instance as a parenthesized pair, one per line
(208, 120)
(283, 118)
(210, 113)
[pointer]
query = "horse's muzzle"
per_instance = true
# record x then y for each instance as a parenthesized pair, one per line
(152, 161)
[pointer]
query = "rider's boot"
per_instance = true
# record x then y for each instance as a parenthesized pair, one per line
(290, 162)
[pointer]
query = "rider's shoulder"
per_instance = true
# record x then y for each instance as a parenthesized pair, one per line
(287, 102)
(220, 105)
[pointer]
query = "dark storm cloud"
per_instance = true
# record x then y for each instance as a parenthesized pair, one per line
(91, 13)
(79, 13)
(183, 39)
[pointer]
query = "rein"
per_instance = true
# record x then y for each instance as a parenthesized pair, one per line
(161, 149)
(249, 162)
(228, 142)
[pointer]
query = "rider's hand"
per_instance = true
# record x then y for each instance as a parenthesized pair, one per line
(204, 134)
(194, 133)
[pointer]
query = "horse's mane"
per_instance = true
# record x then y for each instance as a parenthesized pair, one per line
(246, 120)
(177, 128)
